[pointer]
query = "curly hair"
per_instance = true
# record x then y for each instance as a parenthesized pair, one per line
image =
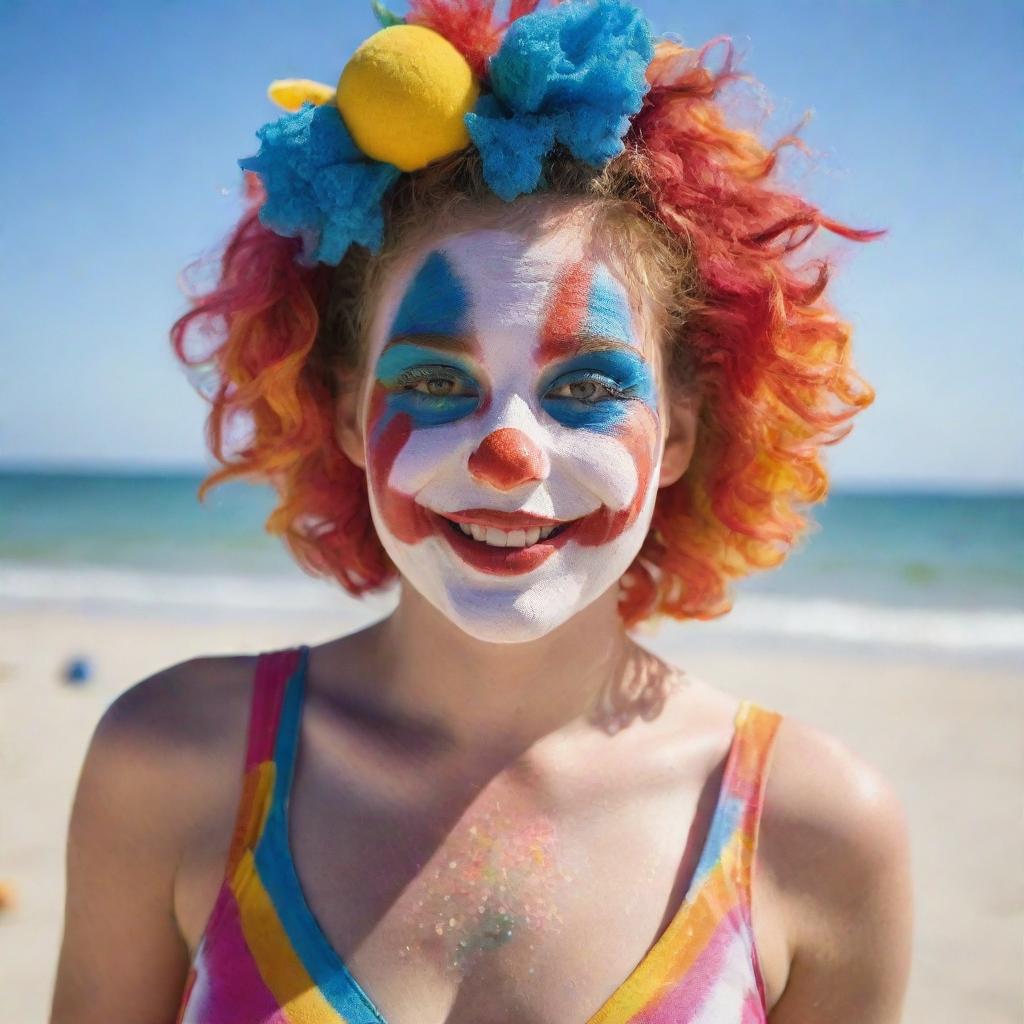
(712, 236)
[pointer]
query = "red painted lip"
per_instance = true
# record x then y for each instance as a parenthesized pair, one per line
(502, 561)
(506, 521)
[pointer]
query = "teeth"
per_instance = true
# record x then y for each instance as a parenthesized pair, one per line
(506, 539)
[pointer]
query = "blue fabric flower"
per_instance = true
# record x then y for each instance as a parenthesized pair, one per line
(320, 186)
(574, 74)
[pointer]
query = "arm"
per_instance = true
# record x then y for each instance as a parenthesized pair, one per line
(122, 957)
(845, 867)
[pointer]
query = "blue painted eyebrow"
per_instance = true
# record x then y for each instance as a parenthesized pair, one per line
(608, 311)
(436, 301)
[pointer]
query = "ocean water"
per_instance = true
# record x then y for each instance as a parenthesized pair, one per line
(940, 571)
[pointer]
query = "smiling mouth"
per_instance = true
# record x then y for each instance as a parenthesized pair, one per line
(494, 537)
(503, 543)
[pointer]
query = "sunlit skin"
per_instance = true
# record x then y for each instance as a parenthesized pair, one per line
(500, 879)
(511, 389)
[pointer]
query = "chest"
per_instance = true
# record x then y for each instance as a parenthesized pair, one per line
(511, 901)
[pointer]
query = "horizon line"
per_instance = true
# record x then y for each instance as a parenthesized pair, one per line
(116, 468)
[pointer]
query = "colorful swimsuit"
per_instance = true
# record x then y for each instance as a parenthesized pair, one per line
(264, 960)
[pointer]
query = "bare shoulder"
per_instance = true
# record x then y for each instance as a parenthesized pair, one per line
(158, 755)
(166, 756)
(834, 844)
(145, 783)
(827, 809)
(165, 743)
(178, 706)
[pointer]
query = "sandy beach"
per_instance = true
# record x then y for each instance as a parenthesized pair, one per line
(948, 733)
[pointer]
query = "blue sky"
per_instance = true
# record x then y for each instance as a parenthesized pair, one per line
(122, 123)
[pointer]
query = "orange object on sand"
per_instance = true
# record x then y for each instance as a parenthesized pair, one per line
(7, 896)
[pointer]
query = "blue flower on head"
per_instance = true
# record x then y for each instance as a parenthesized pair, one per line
(574, 74)
(320, 186)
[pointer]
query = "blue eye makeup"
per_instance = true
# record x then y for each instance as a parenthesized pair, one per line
(593, 390)
(432, 387)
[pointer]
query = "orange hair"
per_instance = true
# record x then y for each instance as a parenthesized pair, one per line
(746, 326)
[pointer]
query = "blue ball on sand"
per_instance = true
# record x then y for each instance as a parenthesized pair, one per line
(77, 671)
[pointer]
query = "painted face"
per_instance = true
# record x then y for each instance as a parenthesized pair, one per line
(512, 433)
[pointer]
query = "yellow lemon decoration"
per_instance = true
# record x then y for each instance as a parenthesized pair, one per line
(403, 95)
(291, 93)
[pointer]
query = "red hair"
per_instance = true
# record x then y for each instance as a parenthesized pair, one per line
(469, 25)
(771, 359)
(768, 356)
(265, 313)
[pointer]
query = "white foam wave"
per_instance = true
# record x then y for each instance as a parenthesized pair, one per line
(959, 629)
(964, 630)
(96, 586)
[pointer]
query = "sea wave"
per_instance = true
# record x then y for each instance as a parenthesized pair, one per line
(998, 630)
(967, 630)
(125, 589)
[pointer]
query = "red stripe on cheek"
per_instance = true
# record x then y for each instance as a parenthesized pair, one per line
(639, 435)
(406, 520)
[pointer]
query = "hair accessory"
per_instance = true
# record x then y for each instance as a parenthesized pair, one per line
(573, 74)
(320, 187)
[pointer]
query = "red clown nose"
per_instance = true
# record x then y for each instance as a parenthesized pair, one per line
(506, 459)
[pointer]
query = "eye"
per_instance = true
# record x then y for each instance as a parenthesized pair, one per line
(437, 387)
(435, 382)
(589, 389)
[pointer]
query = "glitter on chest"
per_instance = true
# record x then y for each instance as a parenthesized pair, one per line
(495, 882)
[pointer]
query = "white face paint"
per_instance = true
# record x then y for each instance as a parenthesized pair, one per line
(513, 441)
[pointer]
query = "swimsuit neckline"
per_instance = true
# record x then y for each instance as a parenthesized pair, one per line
(316, 950)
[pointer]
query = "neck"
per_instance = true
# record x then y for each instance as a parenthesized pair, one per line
(478, 697)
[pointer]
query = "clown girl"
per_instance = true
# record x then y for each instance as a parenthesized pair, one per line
(518, 323)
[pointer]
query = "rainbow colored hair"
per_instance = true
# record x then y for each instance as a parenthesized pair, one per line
(770, 358)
